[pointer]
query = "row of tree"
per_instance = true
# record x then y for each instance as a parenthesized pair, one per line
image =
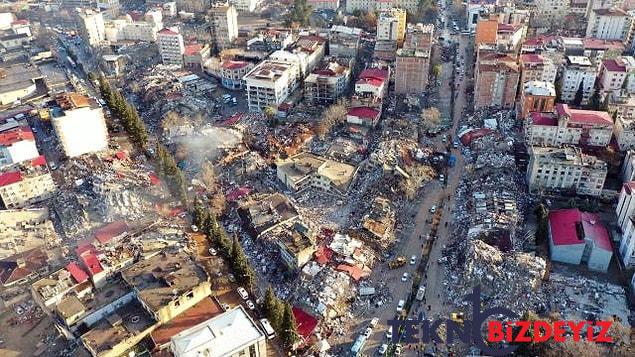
(280, 315)
(126, 112)
(166, 168)
(232, 250)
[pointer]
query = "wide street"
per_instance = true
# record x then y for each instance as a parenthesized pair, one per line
(433, 194)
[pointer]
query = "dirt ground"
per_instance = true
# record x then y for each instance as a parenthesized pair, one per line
(30, 338)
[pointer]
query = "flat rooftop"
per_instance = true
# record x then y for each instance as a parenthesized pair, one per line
(18, 77)
(127, 322)
(269, 71)
(71, 305)
(220, 336)
(161, 277)
(201, 312)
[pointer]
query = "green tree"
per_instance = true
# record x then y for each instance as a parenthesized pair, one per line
(199, 218)
(299, 14)
(579, 95)
(273, 308)
(289, 328)
(595, 102)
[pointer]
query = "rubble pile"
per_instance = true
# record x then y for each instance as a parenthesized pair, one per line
(507, 279)
(326, 292)
(71, 213)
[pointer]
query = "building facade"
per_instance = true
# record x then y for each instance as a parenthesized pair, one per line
(171, 46)
(391, 25)
(91, 27)
(269, 84)
(232, 73)
(223, 25)
(26, 183)
(565, 169)
(578, 71)
(344, 41)
(496, 81)
(537, 96)
(609, 24)
(328, 83)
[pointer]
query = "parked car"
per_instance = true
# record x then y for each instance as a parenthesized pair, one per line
(389, 333)
(212, 252)
(433, 208)
(413, 259)
(404, 277)
(382, 349)
(400, 305)
(243, 293)
(250, 305)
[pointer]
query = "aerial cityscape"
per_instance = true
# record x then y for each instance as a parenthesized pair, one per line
(317, 178)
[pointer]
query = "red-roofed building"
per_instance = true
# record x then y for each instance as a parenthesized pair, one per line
(238, 193)
(305, 323)
(569, 126)
(77, 272)
(9, 178)
(195, 55)
(90, 260)
(363, 116)
(371, 87)
(613, 73)
(232, 73)
(577, 237)
(536, 67)
(112, 231)
(327, 83)
(20, 268)
(16, 145)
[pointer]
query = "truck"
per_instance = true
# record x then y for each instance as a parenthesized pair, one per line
(452, 160)
(358, 346)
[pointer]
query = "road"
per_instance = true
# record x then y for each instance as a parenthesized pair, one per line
(433, 194)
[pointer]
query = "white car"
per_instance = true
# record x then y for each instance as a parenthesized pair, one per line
(389, 333)
(433, 208)
(212, 252)
(374, 321)
(243, 293)
(382, 349)
(250, 305)
(413, 259)
(368, 332)
(400, 305)
(404, 277)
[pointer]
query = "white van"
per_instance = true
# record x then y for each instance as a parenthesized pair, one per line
(269, 331)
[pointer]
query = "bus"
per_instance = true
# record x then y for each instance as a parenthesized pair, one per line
(268, 329)
(358, 346)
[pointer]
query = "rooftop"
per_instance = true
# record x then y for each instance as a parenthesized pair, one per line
(69, 101)
(540, 88)
(233, 65)
(222, 335)
(125, 323)
(579, 61)
(584, 117)
(202, 311)
(71, 304)
(269, 70)
(268, 212)
(295, 239)
(570, 155)
(18, 77)
(364, 113)
(110, 231)
(20, 266)
(572, 226)
(23, 170)
(614, 65)
(346, 30)
(531, 58)
(162, 277)
(614, 11)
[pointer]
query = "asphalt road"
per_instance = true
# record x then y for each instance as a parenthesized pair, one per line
(434, 193)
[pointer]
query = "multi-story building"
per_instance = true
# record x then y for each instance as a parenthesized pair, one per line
(26, 183)
(171, 46)
(296, 245)
(91, 27)
(610, 24)
(496, 78)
(223, 20)
(412, 67)
(232, 73)
(626, 221)
(370, 88)
(110, 8)
(566, 126)
(232, 333)
(269, 84)
(344, 41)
(419, 36)
(305, 54)
(494, 35)
(363, 116)
(621, 104)
(376, 5)
(549, 12)
(324, 4)
(627, 172)
(195, 55)
(307, 171)
(578, 71)
(391, 25)
(16, 145)
(565, 169)
(536, 67)
(270, 40)
(196, 6)
(614, 73)
(537, 96)
(76, 116)
(328, 83)
(245, 5)
(477, 9)
(625, 133)
(127, 29)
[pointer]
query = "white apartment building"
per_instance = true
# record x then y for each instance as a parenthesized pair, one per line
(625, 133)
(550, 12)
(223, 25)
(626, 221)
(614, 72)
(26, 183)
(78, 116)
(536, 67)
(375, 5)
(232, 333)
(17, 145)
(627, 172)
(391, 25)
(232, 73)
(622, 104)
(566, 126)
(91, 27)
(327, 84)
(578, 69)
(245, 5)
(609, 24)
(269, 84)
(306, 54)
(171, 46)
(324, 4)
(125, 29)
(563, 169)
